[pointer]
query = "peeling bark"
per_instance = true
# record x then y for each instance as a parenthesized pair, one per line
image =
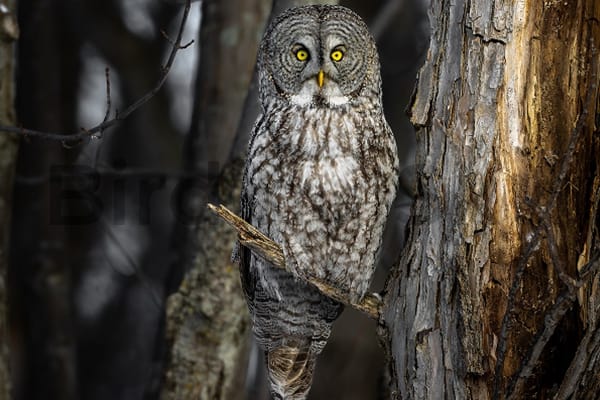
(505, 88)
(8, 153)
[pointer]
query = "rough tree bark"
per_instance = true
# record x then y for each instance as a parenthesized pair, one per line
(8, 154)
(207, 322)
(490, 298)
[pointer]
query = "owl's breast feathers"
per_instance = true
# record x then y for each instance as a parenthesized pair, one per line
(321, 181)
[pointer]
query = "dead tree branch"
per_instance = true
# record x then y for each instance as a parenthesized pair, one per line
(553, 317)
(585, 357)
(94, 132)
(270, 251)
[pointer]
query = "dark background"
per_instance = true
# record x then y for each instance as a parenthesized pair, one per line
(94, 228)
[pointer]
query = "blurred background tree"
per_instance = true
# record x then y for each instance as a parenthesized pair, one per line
(115, 287)
(9, 33)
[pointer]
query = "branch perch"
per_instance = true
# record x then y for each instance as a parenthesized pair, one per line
(270, 251)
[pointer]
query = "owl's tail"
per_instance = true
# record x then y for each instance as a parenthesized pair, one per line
(291, 370)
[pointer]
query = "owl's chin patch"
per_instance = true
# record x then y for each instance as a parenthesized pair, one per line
(311, 95)
(302, 99)
(319, 100)
(336, 100)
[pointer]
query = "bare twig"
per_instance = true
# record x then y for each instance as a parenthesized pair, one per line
(181, 47)
(580, 363)
(590, 268)
(558, 310)
(71, 138)
(512, 294)
(108, 101)
(558, 264)
(551, 321)
(108, 172)
(270, 251)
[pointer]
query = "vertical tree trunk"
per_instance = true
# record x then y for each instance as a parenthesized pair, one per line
(505, 219)
(41, 283)
(207, 321)
(8, 154)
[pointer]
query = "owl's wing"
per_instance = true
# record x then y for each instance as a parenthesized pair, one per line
(241, 254)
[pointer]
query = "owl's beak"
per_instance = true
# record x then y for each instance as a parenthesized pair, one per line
(321, 78)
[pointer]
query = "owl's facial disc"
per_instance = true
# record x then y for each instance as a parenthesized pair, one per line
(317, 87)
(319, 56)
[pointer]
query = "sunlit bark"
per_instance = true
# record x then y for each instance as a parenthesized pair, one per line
(505, 217)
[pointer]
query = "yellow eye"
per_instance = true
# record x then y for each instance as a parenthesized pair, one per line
(337, 55)
(302, 54)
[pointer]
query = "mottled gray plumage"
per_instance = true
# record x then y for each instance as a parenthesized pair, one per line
(320, 177)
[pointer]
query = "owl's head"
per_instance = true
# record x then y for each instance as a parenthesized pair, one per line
(318, 56)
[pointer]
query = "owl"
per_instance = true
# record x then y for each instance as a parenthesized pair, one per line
(320, 177)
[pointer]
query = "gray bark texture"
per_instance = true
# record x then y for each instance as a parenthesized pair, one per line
(8, 153)
(496, 293)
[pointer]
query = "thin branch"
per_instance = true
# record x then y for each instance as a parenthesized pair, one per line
(108, 172)
(512, 294)
(553, 317)
(563, 303)
(181, 47)
(551, 321)
(580, 363)
(557, 263)
(590, 268)
(108, 101)
(270, 251)
(107, 123)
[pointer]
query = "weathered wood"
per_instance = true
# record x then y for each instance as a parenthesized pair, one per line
(9, 33)
(497, 105)
(270, 251)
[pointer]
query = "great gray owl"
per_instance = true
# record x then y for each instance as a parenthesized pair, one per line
(320, 178)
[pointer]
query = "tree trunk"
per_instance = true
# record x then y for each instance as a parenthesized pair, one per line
(8, 154)
(40, 259)
(207, 321)
(486, 301)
